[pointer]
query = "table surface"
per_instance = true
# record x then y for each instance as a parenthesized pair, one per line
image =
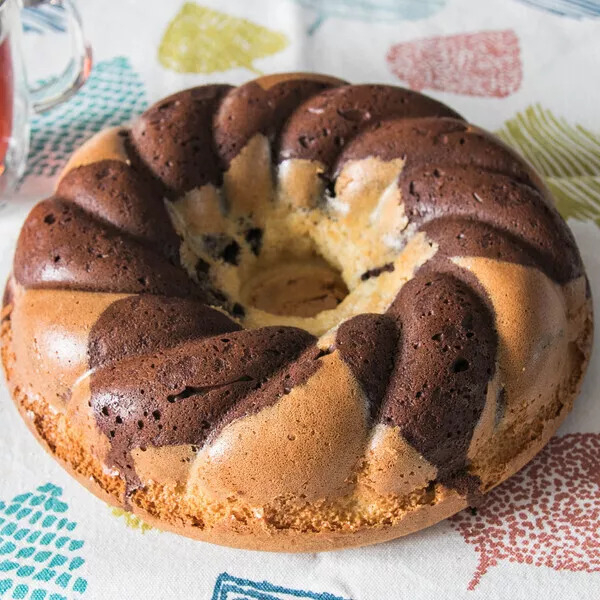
(527, 69)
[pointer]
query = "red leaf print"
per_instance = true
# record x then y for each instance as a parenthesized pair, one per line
(548, 514)
(487, 63)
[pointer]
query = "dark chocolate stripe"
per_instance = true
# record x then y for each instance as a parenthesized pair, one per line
(500, 201)
(251, 109)
(118, 194)
(62, 247)
(436, 143)
(466, 237)
(174, 139)
(177, 396)
(456, 170)
(446, 357)
(323, 125)
(377, 271)
(368, 343)
(293, 374)
(142, 324)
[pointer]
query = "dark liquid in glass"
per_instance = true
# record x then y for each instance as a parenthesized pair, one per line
(6, 99)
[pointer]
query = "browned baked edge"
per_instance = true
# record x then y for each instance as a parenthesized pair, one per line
(157, 505)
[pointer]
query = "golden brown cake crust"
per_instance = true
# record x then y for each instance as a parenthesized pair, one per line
(432, 330)
(158, 505)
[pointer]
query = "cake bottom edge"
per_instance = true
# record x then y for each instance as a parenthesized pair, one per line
(250, 529)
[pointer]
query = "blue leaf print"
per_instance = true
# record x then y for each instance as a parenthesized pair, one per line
(228, 587)
(371, 10)
(575, 9)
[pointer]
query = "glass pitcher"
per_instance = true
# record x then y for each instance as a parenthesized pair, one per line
(18, 97)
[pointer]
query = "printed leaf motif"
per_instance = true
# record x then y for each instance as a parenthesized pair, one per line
(577, 197)
(487, 63)
(548, 514)
(132, 521)
(228, 587)
(38, 19)
(553, 147)
(576, 9)
(202, 40)
(568, 156)
(112, 95)
(371, 10)
(38, 555)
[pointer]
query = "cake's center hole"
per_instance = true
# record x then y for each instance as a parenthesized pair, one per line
(295, 288)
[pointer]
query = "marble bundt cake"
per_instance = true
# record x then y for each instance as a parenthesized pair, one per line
(296, 314)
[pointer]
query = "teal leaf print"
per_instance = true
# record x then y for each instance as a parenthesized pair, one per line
(568, 156)
(371, 10)
(113, 94)
(39, 557)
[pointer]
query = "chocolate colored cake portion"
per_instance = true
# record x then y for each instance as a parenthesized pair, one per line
(174, 140)
(177, 395)
(114, 192)
(63, 246)
(427, 221)
(321, 126)
(438, 391)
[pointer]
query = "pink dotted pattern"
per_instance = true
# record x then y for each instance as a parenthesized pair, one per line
(487, 63)
(547, 515)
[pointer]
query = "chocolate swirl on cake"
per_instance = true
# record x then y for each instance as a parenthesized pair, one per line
(405, 197)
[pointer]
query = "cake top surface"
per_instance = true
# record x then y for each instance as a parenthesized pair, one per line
(359, 200)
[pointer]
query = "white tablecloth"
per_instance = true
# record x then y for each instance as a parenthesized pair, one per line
(529, 69)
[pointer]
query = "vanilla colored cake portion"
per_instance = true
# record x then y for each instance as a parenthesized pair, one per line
(295, 315)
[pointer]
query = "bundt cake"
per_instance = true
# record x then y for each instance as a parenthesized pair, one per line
(296, 314)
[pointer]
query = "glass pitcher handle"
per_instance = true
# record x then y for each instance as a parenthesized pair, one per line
(61, 16)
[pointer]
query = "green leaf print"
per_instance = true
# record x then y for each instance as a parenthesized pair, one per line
(577, 197)
(567, 155)
(202, 40)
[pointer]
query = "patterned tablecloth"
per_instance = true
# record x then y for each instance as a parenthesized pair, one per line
(527, 69)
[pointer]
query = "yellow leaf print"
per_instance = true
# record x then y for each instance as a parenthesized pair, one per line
(132, 521)
(202, 40)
